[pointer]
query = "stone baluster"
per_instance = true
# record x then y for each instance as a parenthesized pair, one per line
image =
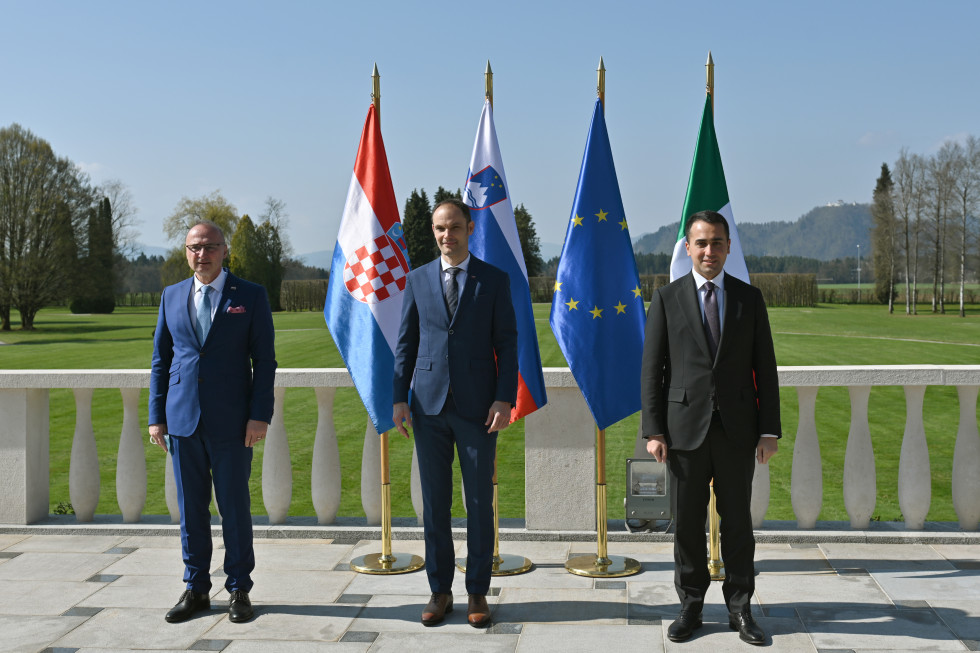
(760, 494)
(416, 486)
(371, 475)
(807, 481)
(860, 486)
(170, 489)
(325, 473)
(914, 478)
(131, 460)
(966, 461)
(277, 471)
(83, 474)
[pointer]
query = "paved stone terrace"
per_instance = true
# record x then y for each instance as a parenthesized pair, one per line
(107, 588)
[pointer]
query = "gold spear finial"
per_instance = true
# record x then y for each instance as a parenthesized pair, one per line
(376, 94)
(601, 88)
(710, 85)
(488, 79)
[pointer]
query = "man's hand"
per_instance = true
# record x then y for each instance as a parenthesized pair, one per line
(255, 431)
(767, 449)
(499, 416)
(157, 431)
(657, 447)
(400, 413)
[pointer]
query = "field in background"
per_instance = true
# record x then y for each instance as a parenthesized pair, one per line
(825, 335)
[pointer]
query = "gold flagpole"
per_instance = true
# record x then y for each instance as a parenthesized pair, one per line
(503, 564)
(716, 567)
(385, 562)
(601, 565)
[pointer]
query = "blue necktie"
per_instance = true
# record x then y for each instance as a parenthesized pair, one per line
(204, 315)
(712, 322)
(452, 290)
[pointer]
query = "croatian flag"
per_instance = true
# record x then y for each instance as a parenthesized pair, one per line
(367, 277)
(495, 241)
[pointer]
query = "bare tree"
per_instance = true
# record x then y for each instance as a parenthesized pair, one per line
(908, 195)
(275, 214)
(124, 231)
(966, 187)
(941, 188)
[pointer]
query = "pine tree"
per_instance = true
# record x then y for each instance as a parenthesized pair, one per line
(442, 194)
(417, 225)
(530, 245)
(883, 238)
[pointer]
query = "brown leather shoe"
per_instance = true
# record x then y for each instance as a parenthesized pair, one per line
(437, 608)
(478, 612)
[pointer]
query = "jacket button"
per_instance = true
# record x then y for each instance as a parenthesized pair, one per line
(450, 332)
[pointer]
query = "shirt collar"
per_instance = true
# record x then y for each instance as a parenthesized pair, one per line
(719, 281)
(218, 285)
(463, 265)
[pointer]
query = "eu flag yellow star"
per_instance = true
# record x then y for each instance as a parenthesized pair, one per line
(558, 286)
(601, 215)
(596, 312)
(572, 305)
(637, 292)
(623, 224)
(620, 307)
(577, 221)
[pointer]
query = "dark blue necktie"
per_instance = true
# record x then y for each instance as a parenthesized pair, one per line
(452, 290)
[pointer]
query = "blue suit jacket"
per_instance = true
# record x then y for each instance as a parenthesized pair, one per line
(474, 350)
(227, 380)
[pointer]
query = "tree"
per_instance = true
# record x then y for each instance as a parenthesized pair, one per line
(96, 293)
(883, 238)
(417, 225)
(214, 208)
(442, 195)
(966, 188)
(907, 202)
(44, 201)
(940, 179)
(530, 245)
(257, 255)
(124, 232)
(273, 261)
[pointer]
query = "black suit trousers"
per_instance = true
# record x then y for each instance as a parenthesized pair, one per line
(731, 464)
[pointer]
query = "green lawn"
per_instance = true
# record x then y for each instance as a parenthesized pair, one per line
(826, 335)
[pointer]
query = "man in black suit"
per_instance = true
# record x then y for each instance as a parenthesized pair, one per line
(457, 350)
(710, 396)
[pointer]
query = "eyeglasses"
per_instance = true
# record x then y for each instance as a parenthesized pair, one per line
(210, 248)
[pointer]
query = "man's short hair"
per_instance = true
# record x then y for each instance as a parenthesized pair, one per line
(210, 225)
(452, 201)
(711, 217)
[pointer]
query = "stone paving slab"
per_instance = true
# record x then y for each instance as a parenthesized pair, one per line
(394, 613)
(429, 642)
(962, 616)
(30, 635)
(587, 607)
(9, 540)
(281, 622)
(137, 628)
(574, 639)
(296, 587)
(30, 597)
(69, 543)
(784, 591)
(923, 585)
(246, 646)
(56, 566)
(717, 637)
(785, 559)
(909, 630)
(160, 592)
(884, 557)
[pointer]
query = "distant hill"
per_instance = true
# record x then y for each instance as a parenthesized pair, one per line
(825, 233)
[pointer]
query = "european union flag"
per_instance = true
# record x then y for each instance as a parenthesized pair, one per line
(597, 308)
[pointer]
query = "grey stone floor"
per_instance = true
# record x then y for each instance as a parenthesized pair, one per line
(108, 592)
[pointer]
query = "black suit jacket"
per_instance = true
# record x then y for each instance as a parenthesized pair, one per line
(679, 380)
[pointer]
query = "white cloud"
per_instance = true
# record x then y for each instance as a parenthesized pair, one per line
(876, 139)
(92, 169)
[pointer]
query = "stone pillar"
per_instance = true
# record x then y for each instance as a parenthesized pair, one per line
(807, 480)
(325, 475)
(83, 472)
(277, 471)
(24, 459)
(860, 485)
(559, 481)
(131, 460)
(966, 461)
(371, 475)
(914, 477)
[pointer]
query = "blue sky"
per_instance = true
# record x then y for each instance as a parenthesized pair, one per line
(269, 98)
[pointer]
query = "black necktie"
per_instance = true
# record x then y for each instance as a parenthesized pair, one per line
(711, 322)
(452, 290)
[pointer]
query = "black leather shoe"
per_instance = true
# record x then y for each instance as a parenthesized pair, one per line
(748, 630)
(684, 626)
(239, 607)
(437, 608)
(189, 604)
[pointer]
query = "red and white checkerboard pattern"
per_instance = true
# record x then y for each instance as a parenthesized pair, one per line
(374, 273)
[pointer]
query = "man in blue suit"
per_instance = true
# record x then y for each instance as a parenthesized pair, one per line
(457, 351)
(211, 391)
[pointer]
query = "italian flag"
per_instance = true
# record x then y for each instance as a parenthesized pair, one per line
(707, 191)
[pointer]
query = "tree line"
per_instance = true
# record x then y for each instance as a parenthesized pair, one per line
(924, 224)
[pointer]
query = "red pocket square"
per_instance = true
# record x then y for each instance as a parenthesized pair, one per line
(235, 309)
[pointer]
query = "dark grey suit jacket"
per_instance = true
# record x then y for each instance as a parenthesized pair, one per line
(679, 380)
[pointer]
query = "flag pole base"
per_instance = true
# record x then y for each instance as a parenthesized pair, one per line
(594, 566)
(504, 564)
(380, 564)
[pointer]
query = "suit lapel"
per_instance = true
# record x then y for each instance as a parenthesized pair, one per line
(227, 296)
(733, 309)
(185, 304)
(434, 276)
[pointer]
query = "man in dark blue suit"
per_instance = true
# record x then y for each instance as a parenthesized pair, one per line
(457, 351)
(211, 390)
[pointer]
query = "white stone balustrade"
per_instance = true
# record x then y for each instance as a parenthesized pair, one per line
(559, 449)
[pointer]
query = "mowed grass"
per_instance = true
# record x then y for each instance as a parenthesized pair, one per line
(826, 335)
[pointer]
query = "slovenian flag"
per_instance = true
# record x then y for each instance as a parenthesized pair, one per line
(367, 277)
(707, 191)
(495, 241)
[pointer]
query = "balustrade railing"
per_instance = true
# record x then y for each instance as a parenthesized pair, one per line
(559, 449)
